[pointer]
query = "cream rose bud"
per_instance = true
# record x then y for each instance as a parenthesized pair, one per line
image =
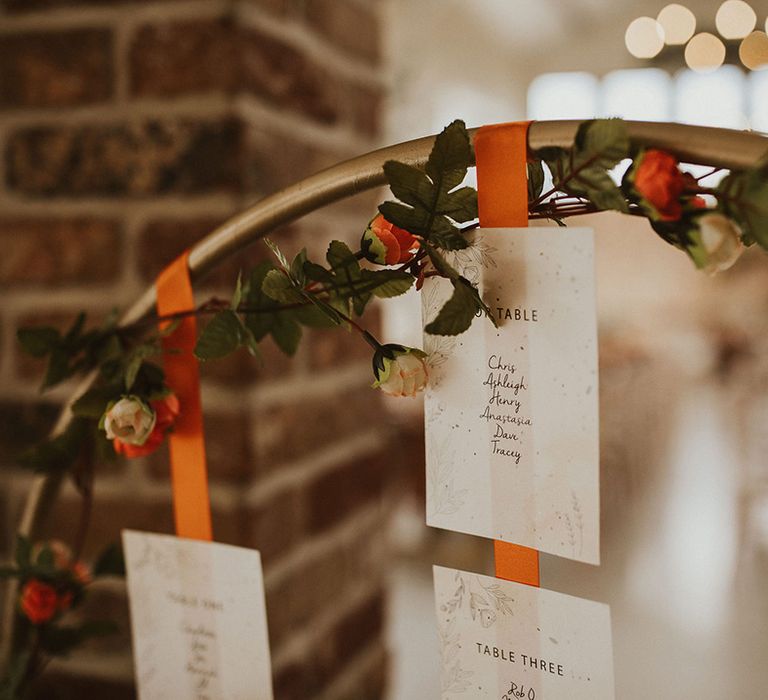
(400, 371)
(129, 420)
(718, 243)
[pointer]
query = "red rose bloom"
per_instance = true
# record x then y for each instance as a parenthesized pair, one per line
(40, 601)
(166, 409)
(387, 244)
(659, 181)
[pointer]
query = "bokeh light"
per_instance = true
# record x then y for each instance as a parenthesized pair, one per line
(705, 53)
(678, 23)
(644, 37)
(735, 19)
(753, 51)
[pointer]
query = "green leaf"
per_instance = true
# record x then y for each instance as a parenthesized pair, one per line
(38, 342)
(450, 157)
(132, 370)
(744, 197)
(58, 368)
(457, 313)
(222, 336)
(58, 453)
(313, 317)
(286, 333)
(408, 218)
(278, 254)
(317, 273)
(297, 268)
(110, 562)
(76, 329)
(387, 283)
(341, 258)
(410, 185)
(45, 560)
(13, 680)
(460, 205)
(59, 641)
(600, 144)
(535, 180)
(279, 287)
(23, 554)
(347, 276)
(237, 297)
(452, 240)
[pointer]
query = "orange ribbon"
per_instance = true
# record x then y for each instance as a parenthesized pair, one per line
(501, 153)
(189, 477)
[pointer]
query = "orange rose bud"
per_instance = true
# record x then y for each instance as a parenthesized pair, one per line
(387, 244)
(166, 411)
(661, 183)
(39, 601)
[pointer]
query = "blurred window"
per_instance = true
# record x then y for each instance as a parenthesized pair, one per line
(726, 97)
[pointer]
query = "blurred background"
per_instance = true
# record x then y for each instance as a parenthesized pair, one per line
(130, 129)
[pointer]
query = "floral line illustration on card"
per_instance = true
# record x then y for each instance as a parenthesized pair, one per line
(485, 604)
(442, 496)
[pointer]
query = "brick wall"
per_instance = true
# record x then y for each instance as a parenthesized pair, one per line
(127, 131)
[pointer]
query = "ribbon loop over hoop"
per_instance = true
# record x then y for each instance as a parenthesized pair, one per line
(501, 152)
(189, 476)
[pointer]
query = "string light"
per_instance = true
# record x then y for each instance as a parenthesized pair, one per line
(675, 25)
(735, 19)
(644, 37)
(705, 53)
(678, 23)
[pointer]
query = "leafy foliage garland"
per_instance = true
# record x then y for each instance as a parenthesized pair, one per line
(279, 299)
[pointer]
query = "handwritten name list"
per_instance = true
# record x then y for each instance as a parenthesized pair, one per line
(198, 619)
(511, 411)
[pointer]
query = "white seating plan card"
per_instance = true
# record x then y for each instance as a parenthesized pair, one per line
(198, 619)
(512, 412)
(503, 641)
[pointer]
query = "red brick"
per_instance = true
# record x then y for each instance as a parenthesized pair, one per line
(23, 424)
(105, 601)
(366, 108)
(347, 24)
(289, 431)
(331, 346)
(227, 447)
(185, 57)
(373, 684)
(354, 634)
(335, 495)
(136, 160)
(59, 685)
(162, 240)
(56, 69)
(32, 5)
(241, 369)
(319, 585)
(33, 368)
(114, 512)
(275, 162)
(274, 527)
(50, 252)
(358, 628)
(284, 76)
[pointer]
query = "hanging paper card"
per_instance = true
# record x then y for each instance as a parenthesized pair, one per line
(504, 641)
(198, 619)
(511, 412)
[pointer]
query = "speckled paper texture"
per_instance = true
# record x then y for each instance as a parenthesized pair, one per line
(198, 619)
(512, 412)
(504, 641)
